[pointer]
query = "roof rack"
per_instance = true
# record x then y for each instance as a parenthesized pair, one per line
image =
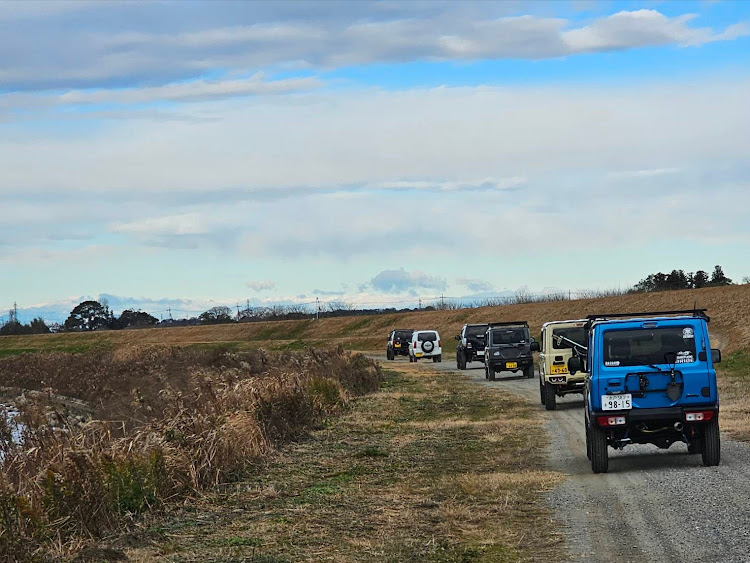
(522, 323)
(694, 312)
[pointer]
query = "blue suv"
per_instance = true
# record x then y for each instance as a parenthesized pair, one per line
(651, 381)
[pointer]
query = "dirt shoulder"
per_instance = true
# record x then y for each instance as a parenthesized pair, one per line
(432, 468)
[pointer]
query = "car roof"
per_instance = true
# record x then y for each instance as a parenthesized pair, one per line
(572, 322)
(646, 320)
(426, 330)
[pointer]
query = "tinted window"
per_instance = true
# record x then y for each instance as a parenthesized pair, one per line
(425, 336)
(577, 334)
(403, 334)
(643, 346)
(478, 330)
(508, 336)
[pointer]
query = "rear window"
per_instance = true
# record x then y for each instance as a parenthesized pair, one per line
(644, 346)
(427, 336)
(476, 330)
(577, 334)
(403, 334)
(508, 336)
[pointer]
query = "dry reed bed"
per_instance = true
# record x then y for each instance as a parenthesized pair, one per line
(167, 424)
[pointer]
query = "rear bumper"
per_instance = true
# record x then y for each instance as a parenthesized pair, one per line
(666, 415)
(503, 364)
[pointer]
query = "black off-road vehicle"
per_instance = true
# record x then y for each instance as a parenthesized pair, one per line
(470, 345)
(509, 347)
(399, 341)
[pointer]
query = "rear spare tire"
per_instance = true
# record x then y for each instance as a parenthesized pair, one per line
(428, 346)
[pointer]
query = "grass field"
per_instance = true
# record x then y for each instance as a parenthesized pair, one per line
(432, 468)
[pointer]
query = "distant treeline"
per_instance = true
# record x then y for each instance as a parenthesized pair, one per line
(679, 279)
(96, 315)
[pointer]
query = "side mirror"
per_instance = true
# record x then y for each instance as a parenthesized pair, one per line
(715, 355)
(458, 337)
(574, 365)
(534, 346)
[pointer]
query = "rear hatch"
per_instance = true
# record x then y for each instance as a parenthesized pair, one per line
(656, 362)
(561, 350)
(509, 343)
(402, 338)
(475, 337)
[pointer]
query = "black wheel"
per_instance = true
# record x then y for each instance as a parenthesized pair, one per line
(491, 373)
(598, 446)
(588, 443)
(411, 359)
(528, 371)
(440, 358)
(541, 389)
(711, 444)
(389, 354)
(434, 359)
(550, 398)
(461, 360)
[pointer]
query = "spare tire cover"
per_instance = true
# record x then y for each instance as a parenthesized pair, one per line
(428, 346)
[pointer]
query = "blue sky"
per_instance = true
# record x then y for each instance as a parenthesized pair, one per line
(183, 155)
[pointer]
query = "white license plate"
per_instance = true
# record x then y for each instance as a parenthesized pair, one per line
(480, 352)
(617, 402)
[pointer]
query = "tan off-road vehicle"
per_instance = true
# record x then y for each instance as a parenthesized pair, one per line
(557, 343)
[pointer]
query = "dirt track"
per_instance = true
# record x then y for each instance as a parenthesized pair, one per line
(653, 505)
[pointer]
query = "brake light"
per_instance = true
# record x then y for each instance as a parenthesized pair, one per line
(610, 420)
(440, 343)
(415, 344)
(699, 416)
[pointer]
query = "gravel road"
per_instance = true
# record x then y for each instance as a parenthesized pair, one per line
(653, 505)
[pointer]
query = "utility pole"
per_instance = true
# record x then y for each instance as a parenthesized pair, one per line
(317, 309)
(442, 302)
(420, 303)
(169, 310)
(238, 311)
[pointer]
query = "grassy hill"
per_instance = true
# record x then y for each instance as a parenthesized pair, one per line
(729, 308)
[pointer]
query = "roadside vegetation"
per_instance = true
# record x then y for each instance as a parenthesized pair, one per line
(734, 381)
(432, 468)
(101, 439)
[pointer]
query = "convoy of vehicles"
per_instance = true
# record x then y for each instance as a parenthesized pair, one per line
(470, 346)
(508, 346)
(425, 344)
(646, 378)
(556, 347)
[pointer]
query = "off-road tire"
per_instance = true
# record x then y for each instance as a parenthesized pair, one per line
(390, 355)
(411, 359)
(490, 373)
(550, 398)
(528, 371)
(541, 389)
(588, 443)
(711, 444)
(461, 361)
(599, 454)
(440, 358)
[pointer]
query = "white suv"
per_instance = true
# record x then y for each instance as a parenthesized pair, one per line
(426, 344)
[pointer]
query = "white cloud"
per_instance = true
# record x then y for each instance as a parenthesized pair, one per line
(145, 44)
(258, 286)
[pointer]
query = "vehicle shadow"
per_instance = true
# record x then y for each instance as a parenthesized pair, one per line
(568, 406)
(623, 462)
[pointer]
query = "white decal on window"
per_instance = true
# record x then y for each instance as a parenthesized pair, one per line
(688, 334)
(612, 364)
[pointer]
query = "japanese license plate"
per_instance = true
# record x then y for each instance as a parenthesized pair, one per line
(419, 354)
(617, 402)
(397, 345)
(480, 352)
(511, 365)
(554, 370)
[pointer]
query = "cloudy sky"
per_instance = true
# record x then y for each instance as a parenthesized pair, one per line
(188, 154)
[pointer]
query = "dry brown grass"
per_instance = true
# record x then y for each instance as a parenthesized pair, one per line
(408, 488)
(216, 421)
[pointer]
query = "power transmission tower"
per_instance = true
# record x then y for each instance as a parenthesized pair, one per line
(317, 309)
(13, 313)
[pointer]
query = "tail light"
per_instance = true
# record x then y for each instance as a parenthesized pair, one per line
(415, 344)
(611, 420)
(699, 416)
(440, 343)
